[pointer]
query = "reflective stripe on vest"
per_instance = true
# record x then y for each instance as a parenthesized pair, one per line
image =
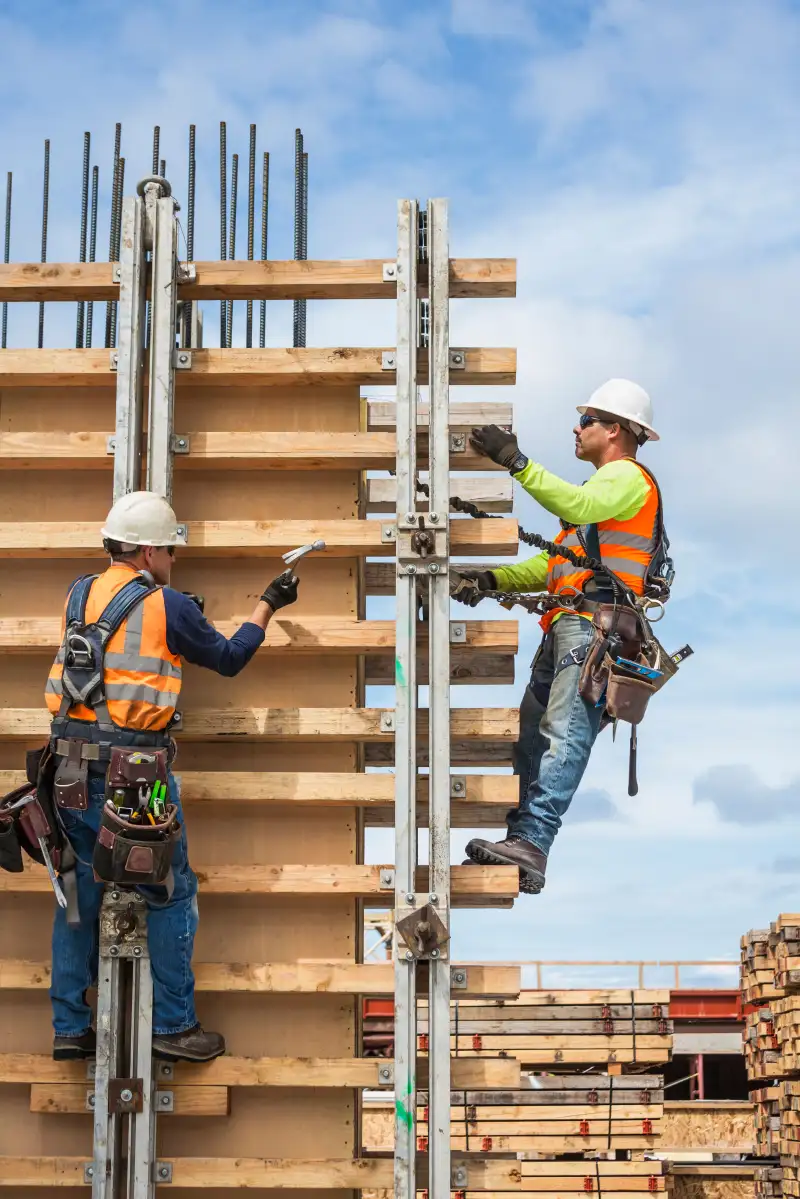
(142, 677)
(626, 548)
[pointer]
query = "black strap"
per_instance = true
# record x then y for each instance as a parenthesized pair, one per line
(76, 599)
(120, 607)
(575, 657)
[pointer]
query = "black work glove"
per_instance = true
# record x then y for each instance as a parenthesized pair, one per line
(470, 588)
(281, 591)
(499, 445)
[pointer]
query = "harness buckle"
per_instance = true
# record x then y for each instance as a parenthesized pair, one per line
(78, 652)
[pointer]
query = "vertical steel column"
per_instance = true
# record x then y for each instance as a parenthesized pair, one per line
(128, 357)
(439, 697)
(142, 1166)
(104, 1170)
(405, 740)
(161, 377)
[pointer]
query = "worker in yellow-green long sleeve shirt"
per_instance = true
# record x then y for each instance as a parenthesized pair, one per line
(615, 516)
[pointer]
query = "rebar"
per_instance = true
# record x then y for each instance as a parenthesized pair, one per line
(251, 220)
(223, 222)
(156, 147)
(45, 213)
(79, 326)
(92, 251)
(298, 228)
(117, 239)
(304, 245)
(262, 320)
(6, 259)
(190, 193)
(232, 243)
(112, 221)
(162, 168)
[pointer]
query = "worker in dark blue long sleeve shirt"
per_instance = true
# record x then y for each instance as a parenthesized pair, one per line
(118, 698)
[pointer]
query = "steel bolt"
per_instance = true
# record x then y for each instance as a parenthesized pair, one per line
(115, 895)
(112, 443)
(458, 359)
(390, 360)
(113, 951)
(163, 1172)
(434, 518)
(433, 569)
(389, 269)
(182, 442)
(183, 359)
(90, 1171)
(166, 1071)
(92, 1100)
(385, 1073)
(126, 1094)
(137, 951)
(458, 786)
(409, 956)
(165, 1100)
(458, 976)
(412, 570)
(434, 953)
(409, 898)
(434, 898)
(410, 517)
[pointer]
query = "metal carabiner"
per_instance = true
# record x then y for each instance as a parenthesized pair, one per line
(649, 603)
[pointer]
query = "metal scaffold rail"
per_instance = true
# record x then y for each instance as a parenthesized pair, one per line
(422, 922)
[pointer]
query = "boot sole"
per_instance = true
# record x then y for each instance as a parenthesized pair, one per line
(531, 882)
(166, 1056)
(72, 1055)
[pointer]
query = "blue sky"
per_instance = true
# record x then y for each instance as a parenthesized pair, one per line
(642, 162)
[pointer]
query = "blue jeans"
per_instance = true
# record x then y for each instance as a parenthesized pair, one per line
(171, 926)
(557, 730)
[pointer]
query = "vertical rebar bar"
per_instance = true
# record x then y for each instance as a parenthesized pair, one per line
(6, 259)
(162, 168)
(117, 239)
(112, 221)
(232, 243)
(190, 193)
(251, 221)
(223, 221)
(304, 245)
(45, 213)
(92, 251)
(262, 320)
(156, 147)
(298, 225)
(79, 327)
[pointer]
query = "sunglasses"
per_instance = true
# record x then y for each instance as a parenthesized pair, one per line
(587, 419)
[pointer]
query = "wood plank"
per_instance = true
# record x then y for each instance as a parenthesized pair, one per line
(58, 1099)
(296, 724)
(380, 578)
(619, 995)
(331, 977)
(228, 1071)
(239, 367)
(355, 882)
(249, 538)
(464, 415)
(343, 279)
(465, 669)
(492, 494)
(305, 635)
(462, 753)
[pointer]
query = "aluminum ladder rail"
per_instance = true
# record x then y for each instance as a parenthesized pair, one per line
(422, 922)
(125, 1085)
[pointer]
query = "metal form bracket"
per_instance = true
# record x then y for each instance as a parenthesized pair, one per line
(458, 443)
(181, 443)
(458, 632)
(182, 360)
(458, 978)
(162, 238)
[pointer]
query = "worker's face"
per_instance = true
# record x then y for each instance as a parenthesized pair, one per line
(159, 560)
(591, 442)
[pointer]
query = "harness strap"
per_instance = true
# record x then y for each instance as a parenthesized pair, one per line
(575, 657)
(76, 600)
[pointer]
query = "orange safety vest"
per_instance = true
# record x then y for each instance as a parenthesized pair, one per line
(626, 548)
(142, 677)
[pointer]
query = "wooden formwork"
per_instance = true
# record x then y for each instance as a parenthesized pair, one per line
(272, 762)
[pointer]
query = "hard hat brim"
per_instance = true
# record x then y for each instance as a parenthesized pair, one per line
(649, 430)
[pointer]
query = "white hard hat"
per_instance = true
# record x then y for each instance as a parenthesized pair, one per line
(623, 398)
(142, 518)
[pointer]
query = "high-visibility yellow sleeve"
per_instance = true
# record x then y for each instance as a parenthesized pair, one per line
(615, 492)
(530, 575)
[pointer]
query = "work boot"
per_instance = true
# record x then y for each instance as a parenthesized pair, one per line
(74, 1049)
(192, 1045)
(512, 851)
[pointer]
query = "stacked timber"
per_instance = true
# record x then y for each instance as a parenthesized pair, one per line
(758, 967)
(605, 1179)
(768, 1182)
(767, 1110)
(566, 1028)
(557, 1114)
(784, 942)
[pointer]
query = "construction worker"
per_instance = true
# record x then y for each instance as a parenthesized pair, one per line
(614, 516)
(141, 682)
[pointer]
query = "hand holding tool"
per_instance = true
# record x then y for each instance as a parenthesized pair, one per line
(498, 444)
(468, 588)
(291, 557)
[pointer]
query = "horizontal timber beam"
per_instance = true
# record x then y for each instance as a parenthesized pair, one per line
(380, 578)
(463, 416)
(251, 539)
(252, 451)
(238, 367)
(465, 668)
(55, 1099)
(309, 635)
(294, 978)
(486, 798)
(493, 494)
(226, 1072)
(262, 1173)
(342, 279)
(370, 883)
(297, 724)
(462, 753)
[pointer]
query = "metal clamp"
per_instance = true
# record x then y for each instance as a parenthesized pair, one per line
(458, 786)
(458, 978)
(386, 879)
(388, 360)
(165, 1101)
(116, 273)
(182, 360)
(458, 360)
(113, 360)
(187, 272)
(423, 932)
(458, 632)
(459, 1175)
(386, 1076)
(390, 272)
(181, 443)
(388, 534)
(162, 1172)
(387, 722)
(458, 443)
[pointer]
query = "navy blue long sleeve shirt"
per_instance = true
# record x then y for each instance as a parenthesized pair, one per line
(191, 636)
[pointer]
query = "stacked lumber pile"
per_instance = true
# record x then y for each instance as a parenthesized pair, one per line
(557, 1114)
(768, 1182)
(605, 1179)
(758, 967)
(566, 1028)
(767, 1101)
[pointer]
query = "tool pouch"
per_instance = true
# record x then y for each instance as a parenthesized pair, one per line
(136, 854)
(10, 849)
(71, 780)
(129, 769)
(626, 697)
(618, 627)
